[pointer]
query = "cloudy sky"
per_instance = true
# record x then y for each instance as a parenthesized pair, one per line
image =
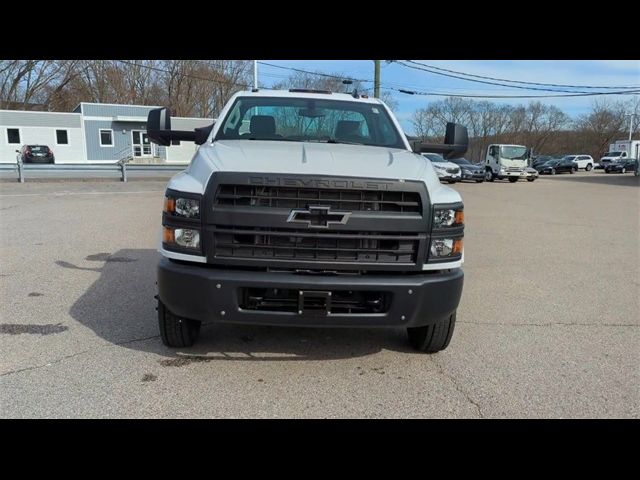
(614, 73)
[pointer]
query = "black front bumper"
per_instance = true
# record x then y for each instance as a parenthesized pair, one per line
(204, 293)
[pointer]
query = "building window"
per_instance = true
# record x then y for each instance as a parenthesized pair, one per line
(13, 135)
(62, 137)
(106, 138)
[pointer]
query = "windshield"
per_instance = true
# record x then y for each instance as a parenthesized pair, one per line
(513, 153)
(39, 148)
(613, 154)
(434, 157)
(569, 157)
(309, 120)
(462, 161)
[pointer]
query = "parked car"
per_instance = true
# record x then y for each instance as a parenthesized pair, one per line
(447, 171)
(558, 166)
(532, 174)
(36, 154)
(622, 166)
(469, 170)
(583, 161)
(540, 160)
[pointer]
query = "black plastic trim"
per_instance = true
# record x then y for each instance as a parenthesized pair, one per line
(211, 294)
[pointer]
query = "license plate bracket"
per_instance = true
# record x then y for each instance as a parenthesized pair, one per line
(314, 302)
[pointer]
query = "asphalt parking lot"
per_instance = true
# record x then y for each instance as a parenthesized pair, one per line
(548, 325)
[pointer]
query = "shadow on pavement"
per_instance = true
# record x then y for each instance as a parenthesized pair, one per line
(597, 177)
(120, 308)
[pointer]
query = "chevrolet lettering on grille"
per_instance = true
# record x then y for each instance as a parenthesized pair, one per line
(318, 216)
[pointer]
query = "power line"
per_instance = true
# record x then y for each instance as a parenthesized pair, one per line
(196, 77)
(423, 69)
(517, 81)
(321, 74)
(414, 92)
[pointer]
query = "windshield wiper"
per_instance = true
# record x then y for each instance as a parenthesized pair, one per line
(333, 140)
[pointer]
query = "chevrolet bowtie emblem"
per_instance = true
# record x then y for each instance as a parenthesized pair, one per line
(318, 216)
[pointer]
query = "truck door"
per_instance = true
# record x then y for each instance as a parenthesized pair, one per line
(492, 157)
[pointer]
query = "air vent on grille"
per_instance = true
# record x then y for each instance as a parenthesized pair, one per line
(351, 200)
(362, 247)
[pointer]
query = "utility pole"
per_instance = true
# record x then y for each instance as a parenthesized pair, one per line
(376, 79)
(630, 115)
(255, 74)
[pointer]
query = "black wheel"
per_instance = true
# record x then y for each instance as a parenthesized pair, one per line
(432, 338)
(513, 179)
(530, 179)
(175, 331)
(588, 167)
(571, 171)
(479, 181)
(488, 176)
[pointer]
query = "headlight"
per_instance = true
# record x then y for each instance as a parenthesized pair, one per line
(447, 217)
(446, 233)
(445, 247)
(439, 167)
(182, 207)
(181, 237)
(181, 222)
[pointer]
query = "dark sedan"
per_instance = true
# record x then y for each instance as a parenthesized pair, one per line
(541, 160)
(36, 154)
(622, 166)
(470, 171)
(558, 166)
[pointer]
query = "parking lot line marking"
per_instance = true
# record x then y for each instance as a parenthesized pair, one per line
(75, 193)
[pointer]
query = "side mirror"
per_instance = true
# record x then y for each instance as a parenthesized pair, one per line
(159, 126)
(159, 129)
(456, 142)
(17, 151)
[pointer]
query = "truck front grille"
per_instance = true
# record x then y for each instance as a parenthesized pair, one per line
(339, 199)
(285, 244)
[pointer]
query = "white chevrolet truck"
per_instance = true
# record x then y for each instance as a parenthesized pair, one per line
(309, 208)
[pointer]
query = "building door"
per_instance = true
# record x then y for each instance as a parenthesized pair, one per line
(141, 144)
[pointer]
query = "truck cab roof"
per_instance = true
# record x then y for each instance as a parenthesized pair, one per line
(306, 93)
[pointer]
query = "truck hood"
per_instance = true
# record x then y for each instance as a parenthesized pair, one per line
(307, 158)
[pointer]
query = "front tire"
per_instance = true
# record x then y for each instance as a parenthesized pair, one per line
(530, 179)
(588, 167)
(513, 179)
(176, 332)
(432, 338)
(488, 176)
